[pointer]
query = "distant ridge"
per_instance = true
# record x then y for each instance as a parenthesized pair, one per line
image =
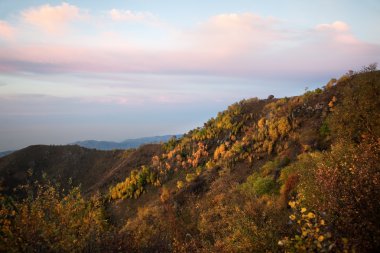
(129, 143)
(4, 153)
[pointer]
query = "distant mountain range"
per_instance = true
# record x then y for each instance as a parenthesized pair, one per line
(130, 143)
(110, 145)
(4, 153)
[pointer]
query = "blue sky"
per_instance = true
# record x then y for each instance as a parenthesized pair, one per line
(112, 70)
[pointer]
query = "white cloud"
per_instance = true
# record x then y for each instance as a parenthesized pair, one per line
(134, 16)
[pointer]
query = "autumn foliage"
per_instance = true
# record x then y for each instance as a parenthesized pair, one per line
(48, 219)
(297, 174)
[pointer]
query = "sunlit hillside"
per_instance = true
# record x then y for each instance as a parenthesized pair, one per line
(292, 174)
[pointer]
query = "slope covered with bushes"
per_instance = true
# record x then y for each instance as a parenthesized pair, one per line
(295, 174)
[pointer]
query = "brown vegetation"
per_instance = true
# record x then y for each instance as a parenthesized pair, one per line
(296, 174)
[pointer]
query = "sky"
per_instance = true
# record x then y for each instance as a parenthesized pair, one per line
(113, 70)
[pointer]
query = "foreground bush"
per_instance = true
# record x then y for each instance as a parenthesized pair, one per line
(50, 220)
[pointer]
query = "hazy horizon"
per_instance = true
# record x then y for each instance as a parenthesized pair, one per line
(116, 70)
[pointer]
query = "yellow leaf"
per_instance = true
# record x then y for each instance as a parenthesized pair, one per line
(303, 209)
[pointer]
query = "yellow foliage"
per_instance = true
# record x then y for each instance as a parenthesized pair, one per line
(210, 164)
(165, 194)
(283, 126)
(50, 222)
(134, 185)
(261, 123)
(219, 151)
(180, 184)
(191, 177)
(313, 234)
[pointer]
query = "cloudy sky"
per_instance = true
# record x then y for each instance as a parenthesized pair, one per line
(112, 70)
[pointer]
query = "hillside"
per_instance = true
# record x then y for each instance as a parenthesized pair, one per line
(298, 174)
(92, 169)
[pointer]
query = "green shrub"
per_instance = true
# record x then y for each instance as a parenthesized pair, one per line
(264, 185)
(324, 130)
(258, 186)
(134, 185)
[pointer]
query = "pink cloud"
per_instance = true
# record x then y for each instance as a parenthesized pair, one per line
(52, 18)
(6, 30)
(247, 44)
(228, 44)
(338, 26)
(243, 21)
(338, 31)
(234, 33)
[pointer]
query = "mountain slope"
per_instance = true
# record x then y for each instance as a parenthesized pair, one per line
(295, 174)
(92, 169)
(261, 153)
